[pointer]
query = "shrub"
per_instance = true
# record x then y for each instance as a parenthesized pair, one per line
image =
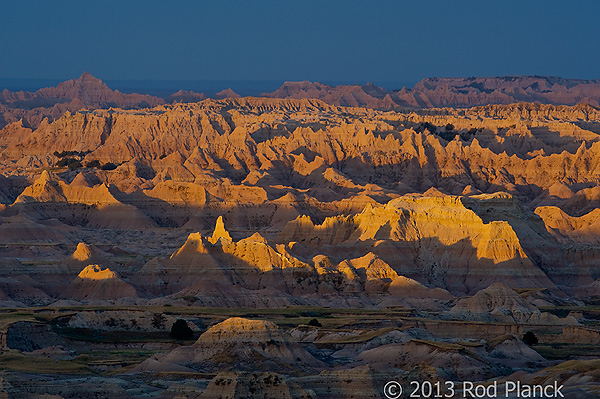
(109, 166)
(64, 162)
(426, 126)
(315, 323)
(181, 330)
(158, 321)
(71, 163)
(63, 154)
(75, 165)
(529, 338)
(93, 164)
(111, 322)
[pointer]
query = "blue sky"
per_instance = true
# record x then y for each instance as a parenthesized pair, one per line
(331, 41)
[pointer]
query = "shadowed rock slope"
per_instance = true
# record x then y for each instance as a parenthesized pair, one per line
(322, 203)
(242, 343)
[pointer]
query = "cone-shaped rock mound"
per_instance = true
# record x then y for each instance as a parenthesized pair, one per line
(96, 283)
(238, 343)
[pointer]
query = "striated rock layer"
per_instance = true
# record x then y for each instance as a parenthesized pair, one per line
(356, 246)
(323, 204)
(451, 92)
(248, 344)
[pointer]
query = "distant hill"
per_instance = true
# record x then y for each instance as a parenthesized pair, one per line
(451, 92)
(71, 95)
(186, 96)
(88, 91)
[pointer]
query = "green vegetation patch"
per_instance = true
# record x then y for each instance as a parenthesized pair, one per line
(8, 318)
(566, 351)
(14, 361)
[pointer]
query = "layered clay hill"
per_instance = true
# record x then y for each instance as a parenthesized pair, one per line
(72, 95)
(450, 92)
(89, 92)
(313, 203)
(332, 248)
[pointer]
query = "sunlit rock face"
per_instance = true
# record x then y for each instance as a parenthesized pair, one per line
(97, 283)
(312, 249)
(281, 201)
(95, 272)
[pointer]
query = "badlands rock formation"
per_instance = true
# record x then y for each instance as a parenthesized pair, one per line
(88, 92)
(245, 344)
(320, 250)
(186, 96)
(451, 92)
(96, 283)
(70, 96)
(318, 199)
(247, 385)
(500, 303)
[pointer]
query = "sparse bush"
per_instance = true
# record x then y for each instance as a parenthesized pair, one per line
(63, 154)
(181, 330)
(449, 127)
(447, 135)
(64, 162)
(111, 322)
(70, 163)
(75, 165)
(529, 338)
(93, 164)
(158, 321)
(109, 166)
(426, 126)
(315, 323)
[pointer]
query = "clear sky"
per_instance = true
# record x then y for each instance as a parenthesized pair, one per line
(330, 41)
